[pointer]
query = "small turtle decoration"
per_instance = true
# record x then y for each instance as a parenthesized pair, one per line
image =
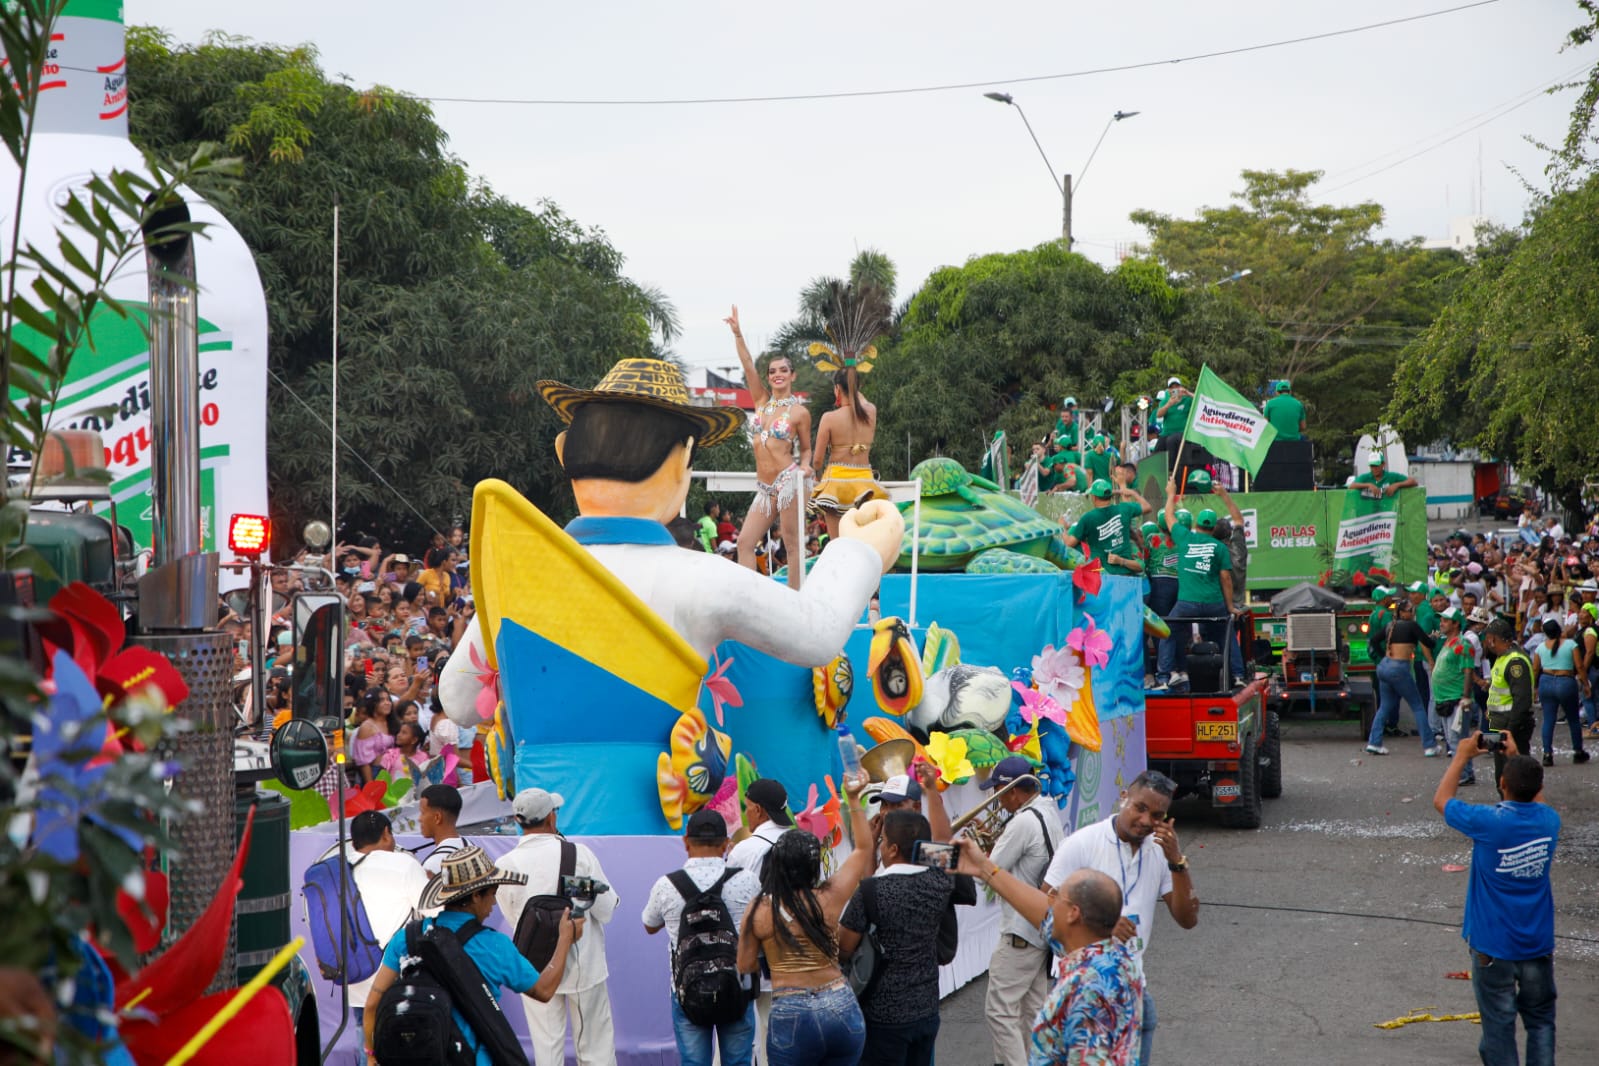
(964, 516)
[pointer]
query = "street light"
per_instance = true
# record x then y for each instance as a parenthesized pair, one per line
(1064, 187)
(1237, 275)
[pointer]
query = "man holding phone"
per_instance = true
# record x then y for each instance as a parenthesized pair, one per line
(904, 901)
(1118, 847)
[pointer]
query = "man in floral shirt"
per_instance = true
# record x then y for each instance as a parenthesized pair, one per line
(1094, 1015)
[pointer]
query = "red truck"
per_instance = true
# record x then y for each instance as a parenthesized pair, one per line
(1223, 745)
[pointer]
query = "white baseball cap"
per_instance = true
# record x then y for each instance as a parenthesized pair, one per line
(535, 804)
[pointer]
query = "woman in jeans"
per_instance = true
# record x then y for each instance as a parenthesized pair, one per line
(1396, 679)
(815, 1020)
(1554, 669)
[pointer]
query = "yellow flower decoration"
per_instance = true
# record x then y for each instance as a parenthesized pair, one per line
(1027, 744)
(948, 754)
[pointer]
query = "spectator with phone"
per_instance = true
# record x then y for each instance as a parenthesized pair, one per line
(1509, 922)
(1094, 1013)
(1119, 847)
(904, 903)
(582, 992)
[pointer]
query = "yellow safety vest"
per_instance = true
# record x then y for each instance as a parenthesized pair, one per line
(1499, 699)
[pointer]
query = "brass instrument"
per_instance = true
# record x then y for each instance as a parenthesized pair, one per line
(986, 819)
(888, 759)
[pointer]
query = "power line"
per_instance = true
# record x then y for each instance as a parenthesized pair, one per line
(355, 452)
(953, 86)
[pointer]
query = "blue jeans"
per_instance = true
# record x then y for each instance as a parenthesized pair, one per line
(1161, 599)
(820, 1027)
(737, 1039)
(1215, 632)
(1146, 1041)
(1555, 693)
(1468, 726)
(1396, 680)
(1504, 989)
(900, 1045)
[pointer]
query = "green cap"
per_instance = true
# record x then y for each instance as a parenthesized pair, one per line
(1199, 479)
(1149, 529)
(1416, 586)
(1070, 401)
(1592, 609)
(1099, 438)
(1376, 459)
(1185, 518)
(1100, 488)
(1282, 386)
(1455, 615)
(1206, 519)
(1063, 442)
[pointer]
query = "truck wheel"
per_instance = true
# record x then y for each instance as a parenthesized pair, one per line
(1271, 758)
(1245, 814)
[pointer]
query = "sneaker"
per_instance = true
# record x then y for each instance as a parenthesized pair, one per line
(1580, 757)
(1179, 679)
(1429, 753)
(1548, 759)
(1149, 680)
(1464, 781)
(1376, 749)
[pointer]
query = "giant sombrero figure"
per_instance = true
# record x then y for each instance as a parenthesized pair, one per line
(600, 632)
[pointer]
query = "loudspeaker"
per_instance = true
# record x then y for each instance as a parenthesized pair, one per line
(1289, 467)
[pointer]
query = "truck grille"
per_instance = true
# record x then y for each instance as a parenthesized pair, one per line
(1307, 632)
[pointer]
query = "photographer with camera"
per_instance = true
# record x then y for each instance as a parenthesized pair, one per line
(900, 908)
(553, 866)
(1510, 906)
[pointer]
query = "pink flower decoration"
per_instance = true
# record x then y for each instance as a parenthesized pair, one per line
(824, 821)
(1091, 641)
(1036, 705)
(1089, 576)
(1059, 674)
(723, 692)
(725, 803)
(488, 698)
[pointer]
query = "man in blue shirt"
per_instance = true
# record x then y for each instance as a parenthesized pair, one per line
(465, 886)
(1510, 903)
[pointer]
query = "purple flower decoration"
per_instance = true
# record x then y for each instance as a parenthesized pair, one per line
(1091, 641)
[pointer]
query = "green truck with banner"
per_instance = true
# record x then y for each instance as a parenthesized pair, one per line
(1342, 539)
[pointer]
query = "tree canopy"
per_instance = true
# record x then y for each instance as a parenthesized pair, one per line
(454, 301)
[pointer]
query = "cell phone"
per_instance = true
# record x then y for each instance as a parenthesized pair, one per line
(933, 855)
(422, 663)
(1493, 741)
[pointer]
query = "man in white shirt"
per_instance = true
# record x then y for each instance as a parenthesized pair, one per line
(1018, 971)
(438, 808)
(767, 816)
(582, 990)
(705, 840)
(389, 881)
(1146, 876)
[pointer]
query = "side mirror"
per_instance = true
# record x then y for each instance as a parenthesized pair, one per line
(319, 656)
(299, 754)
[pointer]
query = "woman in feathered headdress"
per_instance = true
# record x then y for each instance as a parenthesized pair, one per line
(857, 314)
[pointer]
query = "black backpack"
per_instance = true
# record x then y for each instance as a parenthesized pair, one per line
(415, 1025)
(538, 927)
(866, 966)
(710, 990)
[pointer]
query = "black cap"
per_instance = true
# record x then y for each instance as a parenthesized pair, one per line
(772, 797)
(706, 826)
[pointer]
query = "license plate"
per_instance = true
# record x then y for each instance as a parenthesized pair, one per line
(1215, 730)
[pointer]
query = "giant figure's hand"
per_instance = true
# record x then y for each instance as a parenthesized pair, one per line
(879, 524)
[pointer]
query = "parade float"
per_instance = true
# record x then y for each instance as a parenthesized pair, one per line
(602, 665)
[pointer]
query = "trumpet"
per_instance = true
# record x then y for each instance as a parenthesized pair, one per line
(986, 820)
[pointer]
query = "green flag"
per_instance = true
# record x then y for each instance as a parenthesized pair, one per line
(1228, 426)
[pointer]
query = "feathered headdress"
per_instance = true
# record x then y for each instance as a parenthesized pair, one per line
(857, 314)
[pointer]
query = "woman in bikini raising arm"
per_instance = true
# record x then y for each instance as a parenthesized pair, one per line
(846, 432)
(781, 432)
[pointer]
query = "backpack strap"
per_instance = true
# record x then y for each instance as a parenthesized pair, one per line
(568, 865)
(684, 884)
(1043, 828)
(471, 929)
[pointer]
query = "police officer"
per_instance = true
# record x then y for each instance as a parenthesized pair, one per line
(1509, 688)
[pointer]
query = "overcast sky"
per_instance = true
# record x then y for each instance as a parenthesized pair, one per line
(744, 202)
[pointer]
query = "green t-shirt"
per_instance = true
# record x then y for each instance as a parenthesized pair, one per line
(1107, 530)
(1426, 617)
(1284, 412)
(1098, 464)
(1451, 665)
(707, 532)
(1201, 558)
(1389, 477)
(1162, 555)
(1176, 417)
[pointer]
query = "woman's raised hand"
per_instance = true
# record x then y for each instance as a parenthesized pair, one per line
(732, 322)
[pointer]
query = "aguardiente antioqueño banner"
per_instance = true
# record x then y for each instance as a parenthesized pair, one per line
(1299, 536)
(1224, 423)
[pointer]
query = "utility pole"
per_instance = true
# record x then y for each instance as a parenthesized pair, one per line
(1066, 212)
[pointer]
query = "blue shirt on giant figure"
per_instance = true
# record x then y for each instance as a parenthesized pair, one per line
(630, 453)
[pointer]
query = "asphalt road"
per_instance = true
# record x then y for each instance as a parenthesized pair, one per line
(1291, 963)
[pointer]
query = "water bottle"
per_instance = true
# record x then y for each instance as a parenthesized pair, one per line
(847, 752)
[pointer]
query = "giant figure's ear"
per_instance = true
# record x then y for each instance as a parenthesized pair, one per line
(560, 448)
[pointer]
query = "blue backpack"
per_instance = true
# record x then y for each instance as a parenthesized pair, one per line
(362, 954)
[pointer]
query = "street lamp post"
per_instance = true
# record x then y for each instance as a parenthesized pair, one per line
(1063, 184)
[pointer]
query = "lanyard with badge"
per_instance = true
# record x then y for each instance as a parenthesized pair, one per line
(1138, 873)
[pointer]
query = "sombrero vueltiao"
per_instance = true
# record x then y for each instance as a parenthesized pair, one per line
(466, 872)
(648, 381)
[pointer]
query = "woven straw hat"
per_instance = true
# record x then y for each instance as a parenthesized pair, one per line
(648, 381)
(467, 871)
